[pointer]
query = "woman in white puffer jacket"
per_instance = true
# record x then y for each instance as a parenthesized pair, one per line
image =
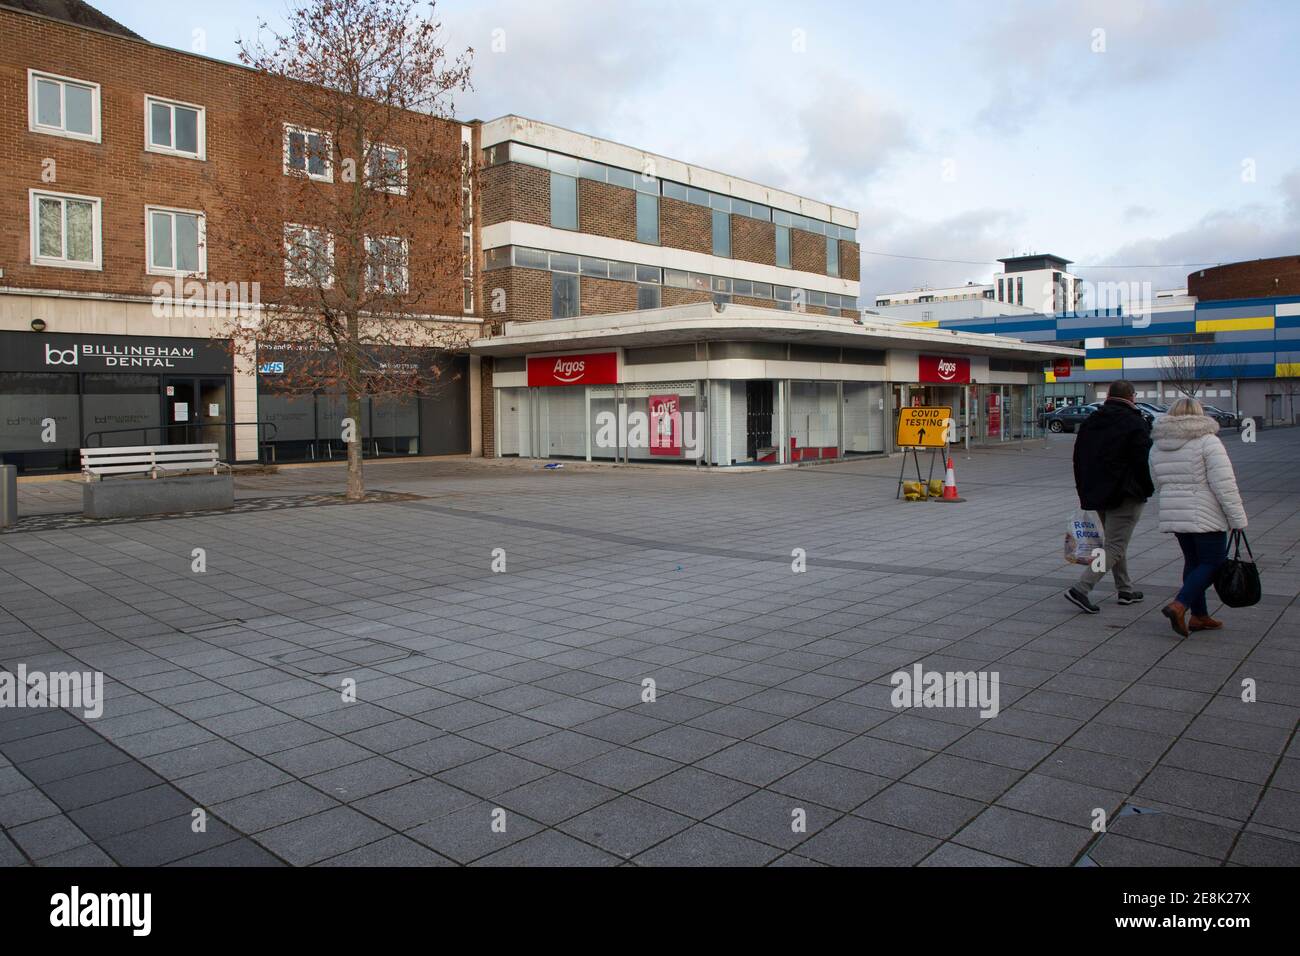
(1199, 504)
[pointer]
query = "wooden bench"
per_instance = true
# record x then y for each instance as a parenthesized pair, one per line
(152, 460)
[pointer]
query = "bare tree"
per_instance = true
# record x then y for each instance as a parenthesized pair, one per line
(358, 225)
(1189, 369)
(1234, 367)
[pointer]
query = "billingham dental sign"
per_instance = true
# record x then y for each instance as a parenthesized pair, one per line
(592, 368)
(55, 352)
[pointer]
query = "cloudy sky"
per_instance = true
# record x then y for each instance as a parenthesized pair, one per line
(1141, 134)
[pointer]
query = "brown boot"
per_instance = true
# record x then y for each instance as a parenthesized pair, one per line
(1177, 614)
(1203, 622)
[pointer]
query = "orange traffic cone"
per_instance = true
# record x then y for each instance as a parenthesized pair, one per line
(950, 485)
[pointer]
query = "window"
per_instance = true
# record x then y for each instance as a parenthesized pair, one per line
(649, 296)
(386, 264)
(999, 290)
(62, 106)
(1020, 290)
(174, 128)
(386, 168)
(175, 242)
(647, 218)
(307, 151)
(564, 201)
(308, 256)
(783, 246)
(65, 230)
(721, 233)
(832, 256)
(564, 296)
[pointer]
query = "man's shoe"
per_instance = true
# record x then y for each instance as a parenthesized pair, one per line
(1176, 613)
(1203, 622)
(1080, 600)
(1130, 597)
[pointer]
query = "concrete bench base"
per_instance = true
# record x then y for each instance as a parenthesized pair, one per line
(134, 497)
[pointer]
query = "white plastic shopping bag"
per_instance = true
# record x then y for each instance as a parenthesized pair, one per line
(1083, 534)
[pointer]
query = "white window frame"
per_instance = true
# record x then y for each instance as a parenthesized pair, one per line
(401, 151)
(35, 127)
(406, 265)
(305, 172)
(149, 101)
(153, 270)
(97, 230)
(329, 256)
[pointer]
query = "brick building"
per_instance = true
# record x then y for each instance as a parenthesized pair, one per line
(132, 173)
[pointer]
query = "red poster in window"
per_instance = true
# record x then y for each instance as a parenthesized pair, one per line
(666, 425)
(995, 415)
(1061, 368)
(591, 368)
(942, 370)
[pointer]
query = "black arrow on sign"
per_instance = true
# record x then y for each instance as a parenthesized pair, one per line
(920, 435)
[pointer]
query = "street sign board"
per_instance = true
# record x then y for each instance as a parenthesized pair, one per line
(923, 426)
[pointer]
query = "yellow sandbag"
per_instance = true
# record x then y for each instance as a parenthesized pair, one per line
(936, 487)
(914, 488)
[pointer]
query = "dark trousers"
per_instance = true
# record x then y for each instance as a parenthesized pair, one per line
(1203, 552)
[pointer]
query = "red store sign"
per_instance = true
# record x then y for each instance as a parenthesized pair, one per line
(941, 370)
(592, 368)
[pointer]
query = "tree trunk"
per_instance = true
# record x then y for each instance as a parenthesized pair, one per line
(356, 479)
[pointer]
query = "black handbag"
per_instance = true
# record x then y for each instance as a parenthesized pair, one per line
(1237, 581)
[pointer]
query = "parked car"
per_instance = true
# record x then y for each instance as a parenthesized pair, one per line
(1225, 419)
(1154, 411)
(1067, 419)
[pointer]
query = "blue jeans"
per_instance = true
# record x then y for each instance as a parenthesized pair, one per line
(1203, 552)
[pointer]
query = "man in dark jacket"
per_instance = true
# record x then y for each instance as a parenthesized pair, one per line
(1112, 478)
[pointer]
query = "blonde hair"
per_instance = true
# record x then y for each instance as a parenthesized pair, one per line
(1187, 406)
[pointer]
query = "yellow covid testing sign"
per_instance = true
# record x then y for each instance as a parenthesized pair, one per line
(923, 426)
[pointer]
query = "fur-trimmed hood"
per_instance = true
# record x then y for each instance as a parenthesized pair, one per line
(1173, 431)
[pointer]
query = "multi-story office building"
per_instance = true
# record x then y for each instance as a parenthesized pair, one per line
(1026, 285)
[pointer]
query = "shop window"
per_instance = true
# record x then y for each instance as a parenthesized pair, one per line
(28, 401)
(65, 230)
(174, 128)
(124, 409)
(62, 106)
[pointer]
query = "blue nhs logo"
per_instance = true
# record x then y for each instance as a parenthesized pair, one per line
(271, 368)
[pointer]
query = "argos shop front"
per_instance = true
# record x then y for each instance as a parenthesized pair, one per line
(740, 386)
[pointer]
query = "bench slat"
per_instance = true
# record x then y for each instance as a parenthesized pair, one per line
(146, 449)
(126, 459)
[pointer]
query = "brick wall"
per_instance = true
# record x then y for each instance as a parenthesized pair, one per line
(807, 252)
(685, 226)
(605, 210)
(243, 161)
(602, 296)
(527, 293)
(1247, 280)
(514, 191)
(753, 240)
(850, 260)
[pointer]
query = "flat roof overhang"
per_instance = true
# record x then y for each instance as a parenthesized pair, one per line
(703, 322)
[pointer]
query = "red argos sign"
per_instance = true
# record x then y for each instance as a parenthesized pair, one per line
(592, 368)
(942, 370)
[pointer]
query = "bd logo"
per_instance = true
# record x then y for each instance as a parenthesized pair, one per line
(569, 372)
(60, 356)
(947, 369)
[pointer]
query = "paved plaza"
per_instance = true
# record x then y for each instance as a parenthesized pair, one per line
(503, 718)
